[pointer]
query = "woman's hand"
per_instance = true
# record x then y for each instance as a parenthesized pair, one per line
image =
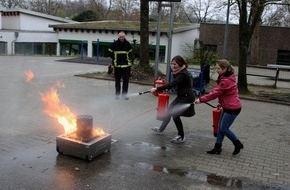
(197, 101)
(152, 90)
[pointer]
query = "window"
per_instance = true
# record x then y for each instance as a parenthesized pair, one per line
(283, 57)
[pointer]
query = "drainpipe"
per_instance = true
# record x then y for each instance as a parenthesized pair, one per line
(16, 34)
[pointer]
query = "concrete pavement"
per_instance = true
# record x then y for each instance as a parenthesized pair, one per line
(140, 159)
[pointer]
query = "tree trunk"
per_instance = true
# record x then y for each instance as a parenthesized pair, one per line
(243, 49)
(144, 34)
(242, 76)
(254, 56)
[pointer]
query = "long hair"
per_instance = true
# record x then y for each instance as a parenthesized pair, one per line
(179, 60)
(225, 64)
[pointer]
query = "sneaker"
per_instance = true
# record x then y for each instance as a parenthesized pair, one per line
(178, 139)
(117, 97)
(156, 130)
(125, 97)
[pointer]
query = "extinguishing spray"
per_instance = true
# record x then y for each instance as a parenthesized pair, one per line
(162, 108)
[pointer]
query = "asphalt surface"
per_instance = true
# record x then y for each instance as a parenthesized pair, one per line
(139, 159)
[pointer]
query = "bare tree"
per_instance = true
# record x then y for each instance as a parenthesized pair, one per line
(50, 7)
(203, 10)
(13, 3)
(277, 14)
(99, 7)
(250, 15)
(125, 10)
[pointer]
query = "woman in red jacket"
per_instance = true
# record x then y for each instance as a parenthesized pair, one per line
(228, 97)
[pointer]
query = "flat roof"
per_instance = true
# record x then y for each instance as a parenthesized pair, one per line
(124, 25)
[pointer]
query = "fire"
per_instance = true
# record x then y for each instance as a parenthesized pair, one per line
(98, 132)
(59, 111)
(29, 76)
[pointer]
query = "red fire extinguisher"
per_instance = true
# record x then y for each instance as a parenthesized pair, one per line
(216, 113)
(159, 82)
(163, 100)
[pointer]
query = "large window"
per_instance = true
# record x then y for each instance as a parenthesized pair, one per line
(73, 47)
(283, 57)
(32, 48)
(3, 48)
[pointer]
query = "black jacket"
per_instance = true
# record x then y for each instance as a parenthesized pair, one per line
(121, 53)
(182, 82)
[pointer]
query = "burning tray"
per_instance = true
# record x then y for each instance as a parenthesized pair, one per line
(85, 150)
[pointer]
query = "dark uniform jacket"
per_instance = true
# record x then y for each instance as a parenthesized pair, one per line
(121, 54)
(182, 83)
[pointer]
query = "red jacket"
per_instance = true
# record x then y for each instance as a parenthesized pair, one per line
(227, 93)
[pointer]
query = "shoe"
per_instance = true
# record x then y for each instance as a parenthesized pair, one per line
(124, 97)
(238, 147)
(178, 139)
(157, 131)
(216, 150)
(117, 97)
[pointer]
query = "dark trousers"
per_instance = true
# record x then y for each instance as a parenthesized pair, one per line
(177, 121)
(123, 73)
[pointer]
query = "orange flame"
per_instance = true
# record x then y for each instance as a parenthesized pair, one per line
(98, 132)
(59, 111)
(29, 76)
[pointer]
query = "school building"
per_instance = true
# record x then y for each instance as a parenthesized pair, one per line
(24, 32)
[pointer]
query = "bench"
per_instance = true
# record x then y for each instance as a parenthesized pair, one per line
(278, 68)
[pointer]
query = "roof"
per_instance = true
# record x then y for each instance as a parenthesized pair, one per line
(33, 13)
(124, 25)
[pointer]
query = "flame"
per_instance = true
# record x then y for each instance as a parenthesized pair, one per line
(59, 111)
(29, 76)
(98, 132)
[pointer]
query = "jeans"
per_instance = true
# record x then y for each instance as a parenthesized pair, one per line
(225, 122)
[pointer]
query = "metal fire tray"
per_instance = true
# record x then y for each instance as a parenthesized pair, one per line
(83, 150)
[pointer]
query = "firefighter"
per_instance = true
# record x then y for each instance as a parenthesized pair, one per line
(121, 53)
(185, 97)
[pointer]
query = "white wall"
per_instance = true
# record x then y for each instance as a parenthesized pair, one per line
(11, 22)
(181, 39)
(31, 22)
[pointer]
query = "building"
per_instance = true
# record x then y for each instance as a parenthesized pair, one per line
(24, 32)
(269, 45)
(93, 36)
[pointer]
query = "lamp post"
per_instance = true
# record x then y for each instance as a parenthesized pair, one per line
(226, 34)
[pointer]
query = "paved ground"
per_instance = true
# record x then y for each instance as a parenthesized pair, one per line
(140, 159)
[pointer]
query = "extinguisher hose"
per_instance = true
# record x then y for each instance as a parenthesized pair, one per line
(210, 105)
(140, 93)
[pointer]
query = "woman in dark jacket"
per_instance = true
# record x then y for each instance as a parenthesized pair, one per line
(182, 104)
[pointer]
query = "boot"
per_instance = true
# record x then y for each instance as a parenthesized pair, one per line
(238, 147)
(216, 150)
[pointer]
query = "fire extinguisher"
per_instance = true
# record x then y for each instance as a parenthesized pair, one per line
(216, 113)
(163, 100)
(159, 82)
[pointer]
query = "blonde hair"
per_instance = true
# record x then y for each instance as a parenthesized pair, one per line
(225, 64)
